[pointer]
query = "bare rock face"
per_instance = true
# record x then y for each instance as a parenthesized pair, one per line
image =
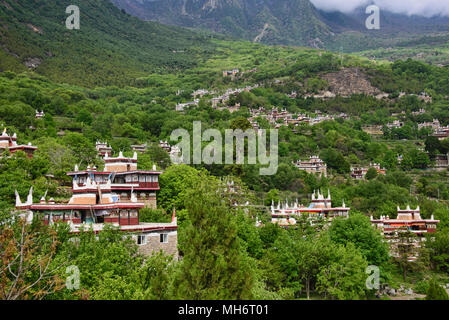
(10, 52)
(35, 29)
(316, 43)
(349, 81)
(33, 63)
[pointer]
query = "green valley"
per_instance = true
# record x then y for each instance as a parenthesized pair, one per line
(88, 180)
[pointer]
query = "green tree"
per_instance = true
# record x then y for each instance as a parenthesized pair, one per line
(272, 196)
(269, 233)
(357, 229)
(59, 157)
(159, 156)
(213, 266)
(82, 148)
(301, 259)
(240, 123)
(436, 292)
(157, 276)
(27, 252)
(175, 183)
(438, 244)
(344, 277)
(433, 145)
(109, 265)
(249, 234)
(405, 249)
(371, 174)
(335, 160)
(85, 117)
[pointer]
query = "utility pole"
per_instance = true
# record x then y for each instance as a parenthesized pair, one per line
(341, 55)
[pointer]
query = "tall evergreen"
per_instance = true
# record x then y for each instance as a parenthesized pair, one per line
(213, 266)
(436, 292)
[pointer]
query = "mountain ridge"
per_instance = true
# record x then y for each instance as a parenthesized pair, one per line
(238, 18)
(285, 22)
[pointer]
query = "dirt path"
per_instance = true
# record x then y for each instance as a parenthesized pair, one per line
(408, 296)
(262, 34)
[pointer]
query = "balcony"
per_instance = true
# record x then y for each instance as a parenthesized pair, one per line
(129, 184)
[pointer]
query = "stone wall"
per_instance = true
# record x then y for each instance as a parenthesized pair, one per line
(150, 202)
(153, 243)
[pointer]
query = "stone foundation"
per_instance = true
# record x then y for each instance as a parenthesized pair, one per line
(153, 243)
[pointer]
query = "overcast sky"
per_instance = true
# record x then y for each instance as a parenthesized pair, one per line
(426, 8)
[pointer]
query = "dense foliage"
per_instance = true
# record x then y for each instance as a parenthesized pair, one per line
(140, 81)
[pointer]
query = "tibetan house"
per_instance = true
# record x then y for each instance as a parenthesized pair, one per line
(142, 148)
(359, 173)
(114, 196)
(103, 149)
(8, 142)
(407, 220)
(313, 165)
(320, 207)
(122, 174)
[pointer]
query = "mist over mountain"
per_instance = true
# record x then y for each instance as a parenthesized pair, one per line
(294, 22)
(424, 8)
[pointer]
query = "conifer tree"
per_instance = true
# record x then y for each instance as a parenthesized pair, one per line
(436, 292)
(214, 265)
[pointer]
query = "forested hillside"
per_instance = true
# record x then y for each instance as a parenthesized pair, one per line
(111, 46)
(127, 82)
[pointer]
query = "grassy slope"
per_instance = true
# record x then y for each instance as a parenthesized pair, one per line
(432, 49)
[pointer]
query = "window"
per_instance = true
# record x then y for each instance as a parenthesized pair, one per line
(164, 238)
(115, 197)
(141, 178)
(141, 239)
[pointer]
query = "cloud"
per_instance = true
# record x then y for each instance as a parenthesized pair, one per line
(345, 6)
(427, 8)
